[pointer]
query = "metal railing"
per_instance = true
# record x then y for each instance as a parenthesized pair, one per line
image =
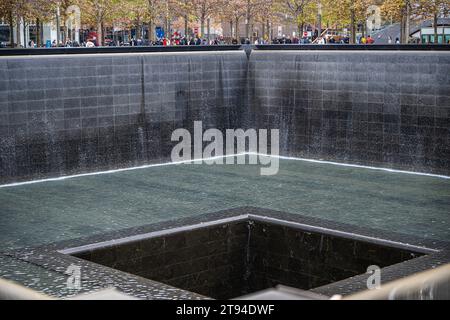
(12, 291)
(433, 284)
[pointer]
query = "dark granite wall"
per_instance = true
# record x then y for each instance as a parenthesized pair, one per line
(232, 259)
(210, 261)
(305, 260)
(77, 113)
(380, 108)
(66, 114)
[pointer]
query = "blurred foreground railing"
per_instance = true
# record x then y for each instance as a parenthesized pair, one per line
(12, 291)
(433, 284)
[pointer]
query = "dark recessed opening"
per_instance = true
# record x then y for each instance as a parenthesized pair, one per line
(230, 259)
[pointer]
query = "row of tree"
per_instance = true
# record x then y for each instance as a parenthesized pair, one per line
(337, 14)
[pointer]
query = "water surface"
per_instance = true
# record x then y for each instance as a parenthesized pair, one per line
(51, 211)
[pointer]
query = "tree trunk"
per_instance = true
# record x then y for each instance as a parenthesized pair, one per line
(102, 39)
(269, 38)
(99, 33)
(231, 29)
(65, 32)
(208, 28)
(38, 32)
(263, 30)
(247, 21)
(166, 27)
(11, 29)
(402, 29)
(151, 33)
(435, 26)
(236, 29)
(319, 24)
(41, 33)
(58, 27)
(18, 31)
(25, 42)
(138, 29)
(202, 27)
(186, 31)
(247, 29)
(352, 27)
(407, 22)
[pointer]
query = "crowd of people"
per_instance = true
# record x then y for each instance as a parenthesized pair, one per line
(199, 41)
(178, 41)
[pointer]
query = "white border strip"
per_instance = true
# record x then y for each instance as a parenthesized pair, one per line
(115, 170)
(218, 157)
(342, 234)
(259, 218)
(152, 234)
(353, 165)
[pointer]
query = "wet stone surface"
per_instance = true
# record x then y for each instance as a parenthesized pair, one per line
(236, 258)
(300, 251)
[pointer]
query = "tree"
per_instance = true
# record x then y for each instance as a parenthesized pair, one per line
(42, 11)
(203, 11)
(232, 12)
(346, 12)
(15, 11)
(133, 13)
(185, 9)
(301, 11)
(264, 15)
(98, 13)
(400, 11)
(251, 8)
(154, 10)
(434, 9)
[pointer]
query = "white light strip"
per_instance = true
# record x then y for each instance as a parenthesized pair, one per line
(218, 157)
(259, 218)
(153, 234)
(114, 171)
(342, 234)
(353, 165)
